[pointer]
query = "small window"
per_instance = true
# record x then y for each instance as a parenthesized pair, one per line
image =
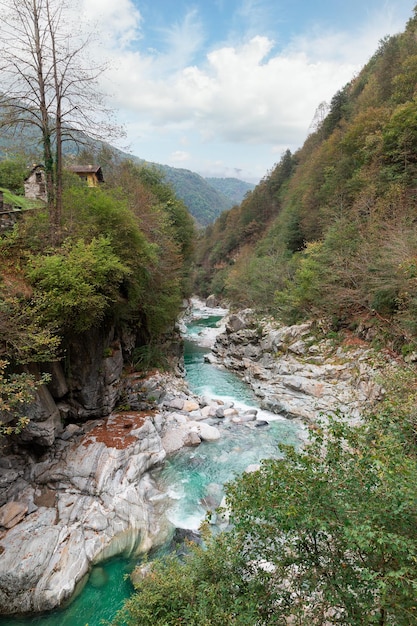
(38, 177)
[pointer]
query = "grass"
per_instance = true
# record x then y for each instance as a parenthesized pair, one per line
(20, 201)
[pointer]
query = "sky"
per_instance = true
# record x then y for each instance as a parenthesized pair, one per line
(224, 87)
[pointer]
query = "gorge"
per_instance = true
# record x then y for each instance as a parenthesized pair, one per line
(93, 496)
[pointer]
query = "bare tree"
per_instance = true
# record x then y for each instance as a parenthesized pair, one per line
(48, 83)
(319, 116)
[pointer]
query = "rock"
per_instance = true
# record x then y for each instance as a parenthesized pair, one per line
(298, 347)
(208, 411)
(205, 431)
(179, 418)
(181, 535)
(8, 476)
(70, 431)
(254, 467)
(175, 403)
(192, 439)
(98, 577)
(45, 497)
(28, 550)
(212, 302)
(158, 421)
(196, 416)
(190, 405)
(210, 358)
(173, 440)
(12, 513)
(288, 383)
(219, 412)
(235, 323)
(223, 516)
(95, 503)
(260, 423)
(96, 366)
(58, 385)
(247, 417)
(42, 433)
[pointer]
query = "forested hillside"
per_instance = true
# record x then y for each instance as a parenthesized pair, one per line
(331, 230)
(203, 200)
(233, 188)
(123, 258)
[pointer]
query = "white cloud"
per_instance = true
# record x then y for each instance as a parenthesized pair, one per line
(118, 21)
(183, 39)
(241, 94)
(250, 92)
(357, 45)
(179, 156)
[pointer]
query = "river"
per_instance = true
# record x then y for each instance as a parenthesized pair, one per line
(192, 476)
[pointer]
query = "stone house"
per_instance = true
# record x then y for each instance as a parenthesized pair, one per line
(35, 184)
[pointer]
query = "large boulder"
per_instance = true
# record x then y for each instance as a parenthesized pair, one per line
(94, 500)
(238, 321)
(212, 301)
(205, 431)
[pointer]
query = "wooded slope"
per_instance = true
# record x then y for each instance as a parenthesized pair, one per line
(331, 230)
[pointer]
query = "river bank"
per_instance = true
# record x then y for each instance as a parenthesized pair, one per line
(96, 492)
(297, 371)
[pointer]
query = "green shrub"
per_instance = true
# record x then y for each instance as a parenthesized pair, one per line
(16, 392)
(385, 301)
(75, 287)
(326, 534)
(13, 173)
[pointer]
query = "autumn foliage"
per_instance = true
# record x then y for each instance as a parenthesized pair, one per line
(331, 229)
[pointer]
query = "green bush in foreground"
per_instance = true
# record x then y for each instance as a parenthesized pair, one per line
(327, 535)
(76, 286)
(207, 589)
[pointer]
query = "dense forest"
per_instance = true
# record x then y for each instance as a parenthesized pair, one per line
(124, 258)
(331, 230)
(326, 535)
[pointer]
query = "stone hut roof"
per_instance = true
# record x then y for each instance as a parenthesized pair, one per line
(34, 168)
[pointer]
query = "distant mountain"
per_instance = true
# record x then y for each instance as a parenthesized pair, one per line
(205, 198)
(233, 188)
(202, 199)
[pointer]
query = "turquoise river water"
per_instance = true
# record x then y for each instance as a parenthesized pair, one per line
(189, 476)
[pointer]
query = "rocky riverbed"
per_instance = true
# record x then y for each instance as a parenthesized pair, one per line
(296, 373)
(90, 495)
(87, 493)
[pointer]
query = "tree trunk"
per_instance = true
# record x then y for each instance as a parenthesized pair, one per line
(46, 133)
